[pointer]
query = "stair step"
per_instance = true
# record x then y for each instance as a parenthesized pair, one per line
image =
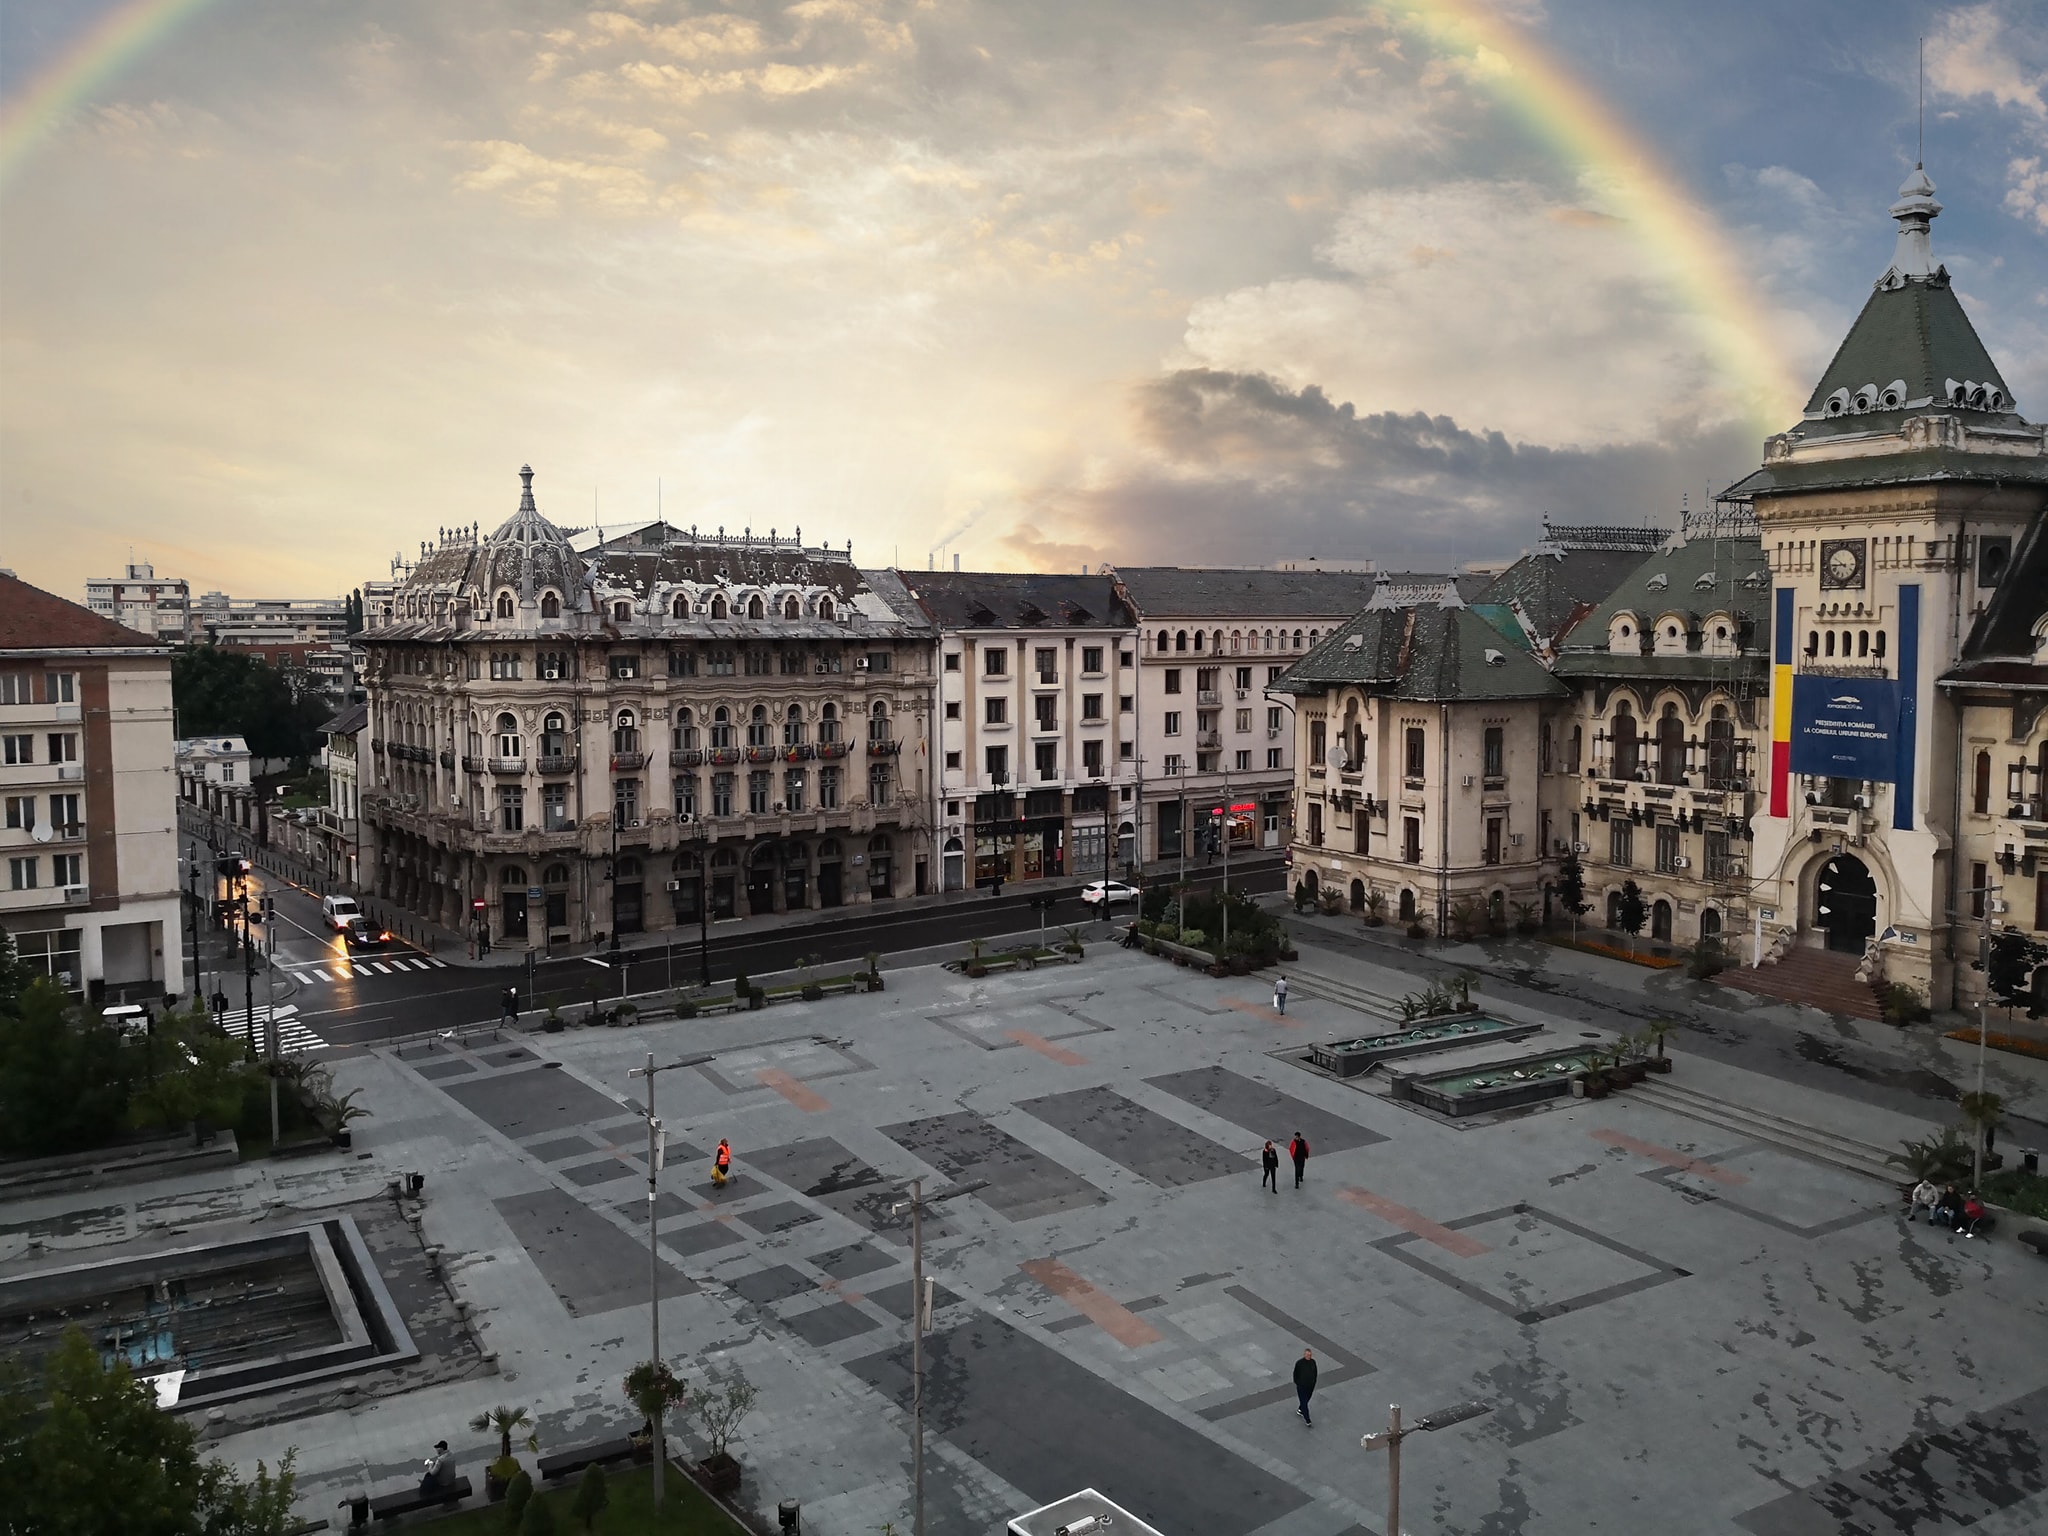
(1814, 978)
(1678, 1091)
(1346, 995)
(1808, 1141)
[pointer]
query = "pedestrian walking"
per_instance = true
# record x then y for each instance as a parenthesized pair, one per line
(1280, 995)
(721, 1164)
(510, 1003)
(1305, 1382)
(1298, 1150)
(1269, 1160)
(995, 886)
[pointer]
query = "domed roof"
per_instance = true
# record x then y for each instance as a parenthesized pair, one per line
(526, 552)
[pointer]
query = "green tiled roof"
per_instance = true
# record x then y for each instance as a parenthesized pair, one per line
(1423, 653)
(1917, 332)
(1703, 576)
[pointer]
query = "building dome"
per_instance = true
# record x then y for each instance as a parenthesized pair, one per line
(526, 554)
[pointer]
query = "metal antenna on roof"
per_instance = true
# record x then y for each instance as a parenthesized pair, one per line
(1920, 152)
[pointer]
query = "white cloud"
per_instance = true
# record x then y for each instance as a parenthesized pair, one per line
(1977, 53)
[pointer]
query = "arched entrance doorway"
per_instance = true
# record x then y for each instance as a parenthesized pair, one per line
(1845, 903)
(1660, 921)
(761, 870)
(1358, 895)
(954, 861)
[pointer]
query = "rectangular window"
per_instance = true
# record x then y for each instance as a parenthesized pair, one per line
(1977, 884)
(67, 869)
(682, 663)
(1273, 675)
(1125, 703)
(757, 792)
(1273, 758)
(554, 665)
(227, 773)
(793, 790)
(1173, 722)
(880, 661)
(686, 795)
(1048, 661)
(1045, 757)
(1244, 721)
(997, 760)
(64, 811)
(1621, 844)
(995, 661)
(829, 662)
(952, 760)
(952, 709)
(1127, 751)
(625, 667)
(504, 667)
(828, 789)
(1091, 659)
(1091, 757)
(1493, 839)
(721, 794)
(63, 748)
(1244, 761)
(792, 663)
(1205, 683)
(1173, 679)
(878, 784)
(1244, 678)
(626, 802)
(1495, 754)
(1411, 839)
(718, 663)
(995, 711)
(15, 688)
(1047, 708)
(1318, 742)
(1717, 855)
(759, 663)
(1175, 764)
(1315, 823)
(21, 813)
(1417, 763)
(952, 661)
(21, 874)
(1273, 718)
(1667, 850)
(1091, 706)
(511, 808)
(60, 688)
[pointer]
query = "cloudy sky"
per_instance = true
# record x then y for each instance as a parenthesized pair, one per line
(284, 287)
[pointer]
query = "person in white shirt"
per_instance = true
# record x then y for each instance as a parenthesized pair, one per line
(1924, 1197)
(440, 1469)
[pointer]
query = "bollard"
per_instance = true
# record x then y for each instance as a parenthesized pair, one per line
(2030, 1160)
(789, 1515)
(358, 1507)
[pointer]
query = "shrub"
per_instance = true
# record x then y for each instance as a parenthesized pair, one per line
(1152, 905)
(1418, 930)
(592, 1498)
(1938, 1160)
(518, 1494)
(1903, 1005)
(538, 1520)
(686, 1009)
(1707, 960)
(812, 992)
(741, 987)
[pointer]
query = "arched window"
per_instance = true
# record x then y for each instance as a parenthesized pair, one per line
(684, 733)
(504, 605)
(1626, 756)
(1180, 640)
(878, 721)
(1407, 907)
(825, 609)
(680, 608)
(828, 725)
(1813, 642)
(508, 736)
(756, 609)
(511, 875)
(1313, 636)
(1160, 644)
(718, 607)
(721, 727)
(554, 737)
(1980, 796)
(555, 874)
(1216, 641)
(1198, 640)
(1720, 749)
(757, 727)
(1670, 747)
(1236, 641)
(1862, 642)
(626, 732)
(550, 606)
(793, 726)
(1830, 642)
(791, 608)
(1877, 646)
(1297, 639)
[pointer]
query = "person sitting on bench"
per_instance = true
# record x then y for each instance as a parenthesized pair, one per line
(1948, 1210)
(440, 1470)
(1975, 1218)
(1924, 1197)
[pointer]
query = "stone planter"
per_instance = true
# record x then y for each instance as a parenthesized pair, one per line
(1658, 1064)
(719, 1474)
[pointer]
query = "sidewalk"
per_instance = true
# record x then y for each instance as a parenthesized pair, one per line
(453, 947)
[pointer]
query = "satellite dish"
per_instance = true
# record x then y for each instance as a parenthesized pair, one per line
(43, 833)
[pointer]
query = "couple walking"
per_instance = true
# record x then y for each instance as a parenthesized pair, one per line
(1269, 1160)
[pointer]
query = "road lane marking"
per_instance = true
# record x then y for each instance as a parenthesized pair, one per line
(792, 1090)
(321, 974)
(302, 978)
(1413, 1221)
(1047, 1049)
(378, 969)
(1099, 1307)
(1672, 1159)
(443, 964)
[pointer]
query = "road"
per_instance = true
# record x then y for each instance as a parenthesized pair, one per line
(333, 997)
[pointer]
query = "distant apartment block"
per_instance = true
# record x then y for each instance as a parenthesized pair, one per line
(141, 600)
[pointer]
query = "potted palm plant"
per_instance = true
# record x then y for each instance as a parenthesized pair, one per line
(720, 1412)
(504, 1421)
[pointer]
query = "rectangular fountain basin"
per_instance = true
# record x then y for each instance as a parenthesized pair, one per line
(1498, 1085)
(1348, 1058)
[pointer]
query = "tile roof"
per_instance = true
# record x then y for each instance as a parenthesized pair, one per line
(1696, 578)
(1196, 592)
(34, 620)
(1421, 653)
(1913, 467)
(1915, 331)
(348, 721)
(1555, 587)
(1008, 600)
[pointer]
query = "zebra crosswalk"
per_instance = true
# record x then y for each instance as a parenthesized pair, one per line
(347, 970)
(292, 1036)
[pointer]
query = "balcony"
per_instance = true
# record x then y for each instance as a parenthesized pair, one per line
(830, 750)
(723, 757)
(685, 757)
(763, 754)
(884, 748)
(1208, 697)
(1208, 741)
(472, 763)
(556, 762)
(447, 759)
(628, 762)
(513, 765)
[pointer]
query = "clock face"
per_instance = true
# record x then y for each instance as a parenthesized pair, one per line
(1841, 562)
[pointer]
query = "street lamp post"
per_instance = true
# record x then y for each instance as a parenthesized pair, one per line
(920, 1319)
(1984, 895)
(656, 1143)
(1389, 1440)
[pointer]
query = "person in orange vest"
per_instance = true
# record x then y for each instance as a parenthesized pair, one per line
(721, 1163)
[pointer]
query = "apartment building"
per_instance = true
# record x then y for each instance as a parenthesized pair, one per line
(1215, 749)
(1036, 723)
(620, 739)
(260, 621)
(89, 836)
(141, 600)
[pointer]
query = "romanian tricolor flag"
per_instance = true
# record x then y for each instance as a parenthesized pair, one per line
(1781, 704)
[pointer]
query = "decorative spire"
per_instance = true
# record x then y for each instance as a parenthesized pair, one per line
(1915, 210)
(526, 489)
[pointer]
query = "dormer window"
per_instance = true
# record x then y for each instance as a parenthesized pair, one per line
(680, 608)
(825, 608)
(718, 607)
(1621, 633)
(550, 606)
(504, 605)
(622, 613)
(791, 608)
(756, 609)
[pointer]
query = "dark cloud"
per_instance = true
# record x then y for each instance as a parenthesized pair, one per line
(1241, 469)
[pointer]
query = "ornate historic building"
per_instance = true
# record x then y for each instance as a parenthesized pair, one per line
(604, 741)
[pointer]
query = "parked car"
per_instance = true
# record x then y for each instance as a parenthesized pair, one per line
(1104, 894)
(338, 911)
(360, 933)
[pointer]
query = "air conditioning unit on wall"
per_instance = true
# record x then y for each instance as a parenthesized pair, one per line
(1582, 847)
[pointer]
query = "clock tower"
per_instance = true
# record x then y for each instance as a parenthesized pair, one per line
(1889, 514)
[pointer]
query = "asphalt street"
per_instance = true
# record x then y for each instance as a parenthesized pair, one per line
(335, 997)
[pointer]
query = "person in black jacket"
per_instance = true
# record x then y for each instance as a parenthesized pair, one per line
(1305, 1382)
(1298, 1150)
(1269, 1160)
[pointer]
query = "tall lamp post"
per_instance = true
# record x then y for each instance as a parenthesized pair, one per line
(1389, 1440)
(920, 1319)
(656, 1144)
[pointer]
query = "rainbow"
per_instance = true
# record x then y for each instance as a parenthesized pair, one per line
(100, 53)
(1689, 249)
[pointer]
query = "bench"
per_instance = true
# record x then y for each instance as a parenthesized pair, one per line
(563, 1463)
(2036, 1240)
(411, 1501)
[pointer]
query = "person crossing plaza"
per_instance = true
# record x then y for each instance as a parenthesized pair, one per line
(721, 1164)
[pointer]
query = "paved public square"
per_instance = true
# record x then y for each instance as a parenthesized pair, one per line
(1677, 1329)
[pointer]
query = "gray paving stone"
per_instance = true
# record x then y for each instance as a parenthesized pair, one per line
(777, 1283)
(1131, 1136)
(828, 1325)
(433, 1071)
(560, 1149)
(666, 1206)
(826, 1171)
(1023, 1182)
(603, 1171)
(526, 1103)
(1264, 1110)
(701, 1237)
(895, 1299)
(779, 1217)
(858, 1259)
(591, 1264)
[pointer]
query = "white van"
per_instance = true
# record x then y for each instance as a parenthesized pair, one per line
(337, 910)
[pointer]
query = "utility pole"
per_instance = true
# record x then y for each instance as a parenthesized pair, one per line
(656, 1145)
(920, 1319)
(1229, 825)
(1984, 895)
(270, 1004)
(192, 916)
(248, 973)
(1389, 1440)
(704, 920)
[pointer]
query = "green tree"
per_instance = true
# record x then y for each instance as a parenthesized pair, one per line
(593, 1497)
(219, 690)
(2009, 971)
(1631, 912)
(1570, 890)
(518, 1494)
(64, 1083)
(538, 1520)
(354, 607)
(1983, 1113)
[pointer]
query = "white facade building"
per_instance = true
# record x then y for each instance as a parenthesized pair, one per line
(143, 601)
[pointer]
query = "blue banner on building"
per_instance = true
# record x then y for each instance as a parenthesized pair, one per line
(1845, 727)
